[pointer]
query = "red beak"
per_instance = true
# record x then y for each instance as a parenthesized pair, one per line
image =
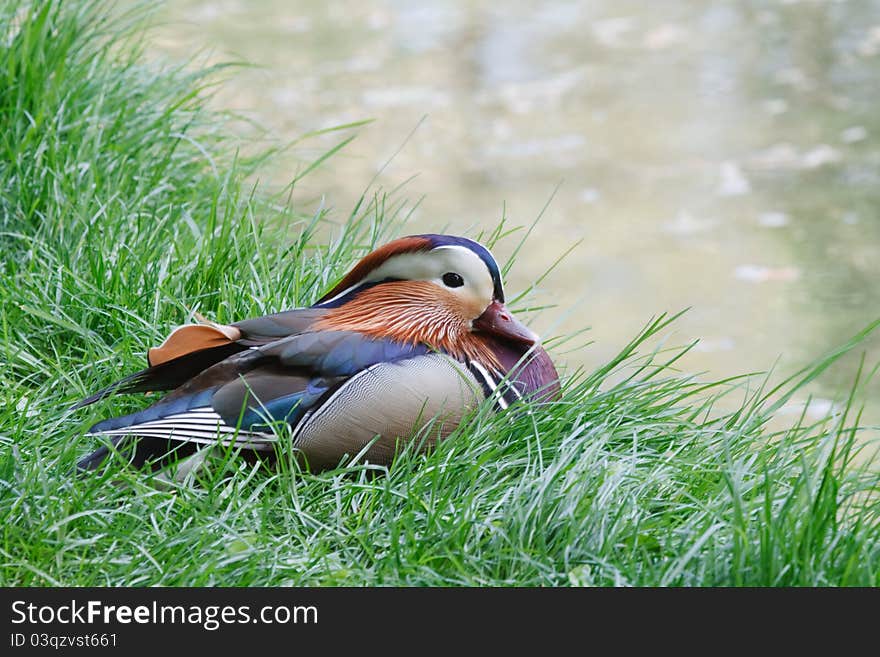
(497, 320)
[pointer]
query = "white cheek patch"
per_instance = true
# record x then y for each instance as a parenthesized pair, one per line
(472, 269)
(478, 289)
(430, 265)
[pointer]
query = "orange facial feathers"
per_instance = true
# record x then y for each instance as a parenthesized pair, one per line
(411, 312)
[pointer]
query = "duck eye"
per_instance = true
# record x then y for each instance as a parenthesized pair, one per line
(451, 279)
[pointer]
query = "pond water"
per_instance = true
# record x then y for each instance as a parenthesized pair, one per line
(722, 156)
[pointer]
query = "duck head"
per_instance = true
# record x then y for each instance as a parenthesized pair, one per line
(441, 290)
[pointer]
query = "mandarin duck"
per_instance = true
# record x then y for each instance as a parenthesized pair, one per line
(413, 338)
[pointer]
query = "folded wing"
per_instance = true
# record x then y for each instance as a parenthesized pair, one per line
(300, 380)
(192, 349)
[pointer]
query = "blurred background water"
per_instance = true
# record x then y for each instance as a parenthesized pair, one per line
(718, 155)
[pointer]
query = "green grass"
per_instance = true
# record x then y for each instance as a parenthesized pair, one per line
(124, 209)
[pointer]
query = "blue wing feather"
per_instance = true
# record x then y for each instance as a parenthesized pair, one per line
(340, 353)
(157, 411)
(288, 408)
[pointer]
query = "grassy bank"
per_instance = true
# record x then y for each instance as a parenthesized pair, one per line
(124, 209)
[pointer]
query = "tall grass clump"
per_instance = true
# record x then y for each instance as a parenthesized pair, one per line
(124, 209)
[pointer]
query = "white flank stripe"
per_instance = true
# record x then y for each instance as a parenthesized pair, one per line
(485, 374)
(219, 425)
(509, 384)
(206, 411)
(170, 432)
(251, 440)
(198, 425)
(183, 426)
(499, 398)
